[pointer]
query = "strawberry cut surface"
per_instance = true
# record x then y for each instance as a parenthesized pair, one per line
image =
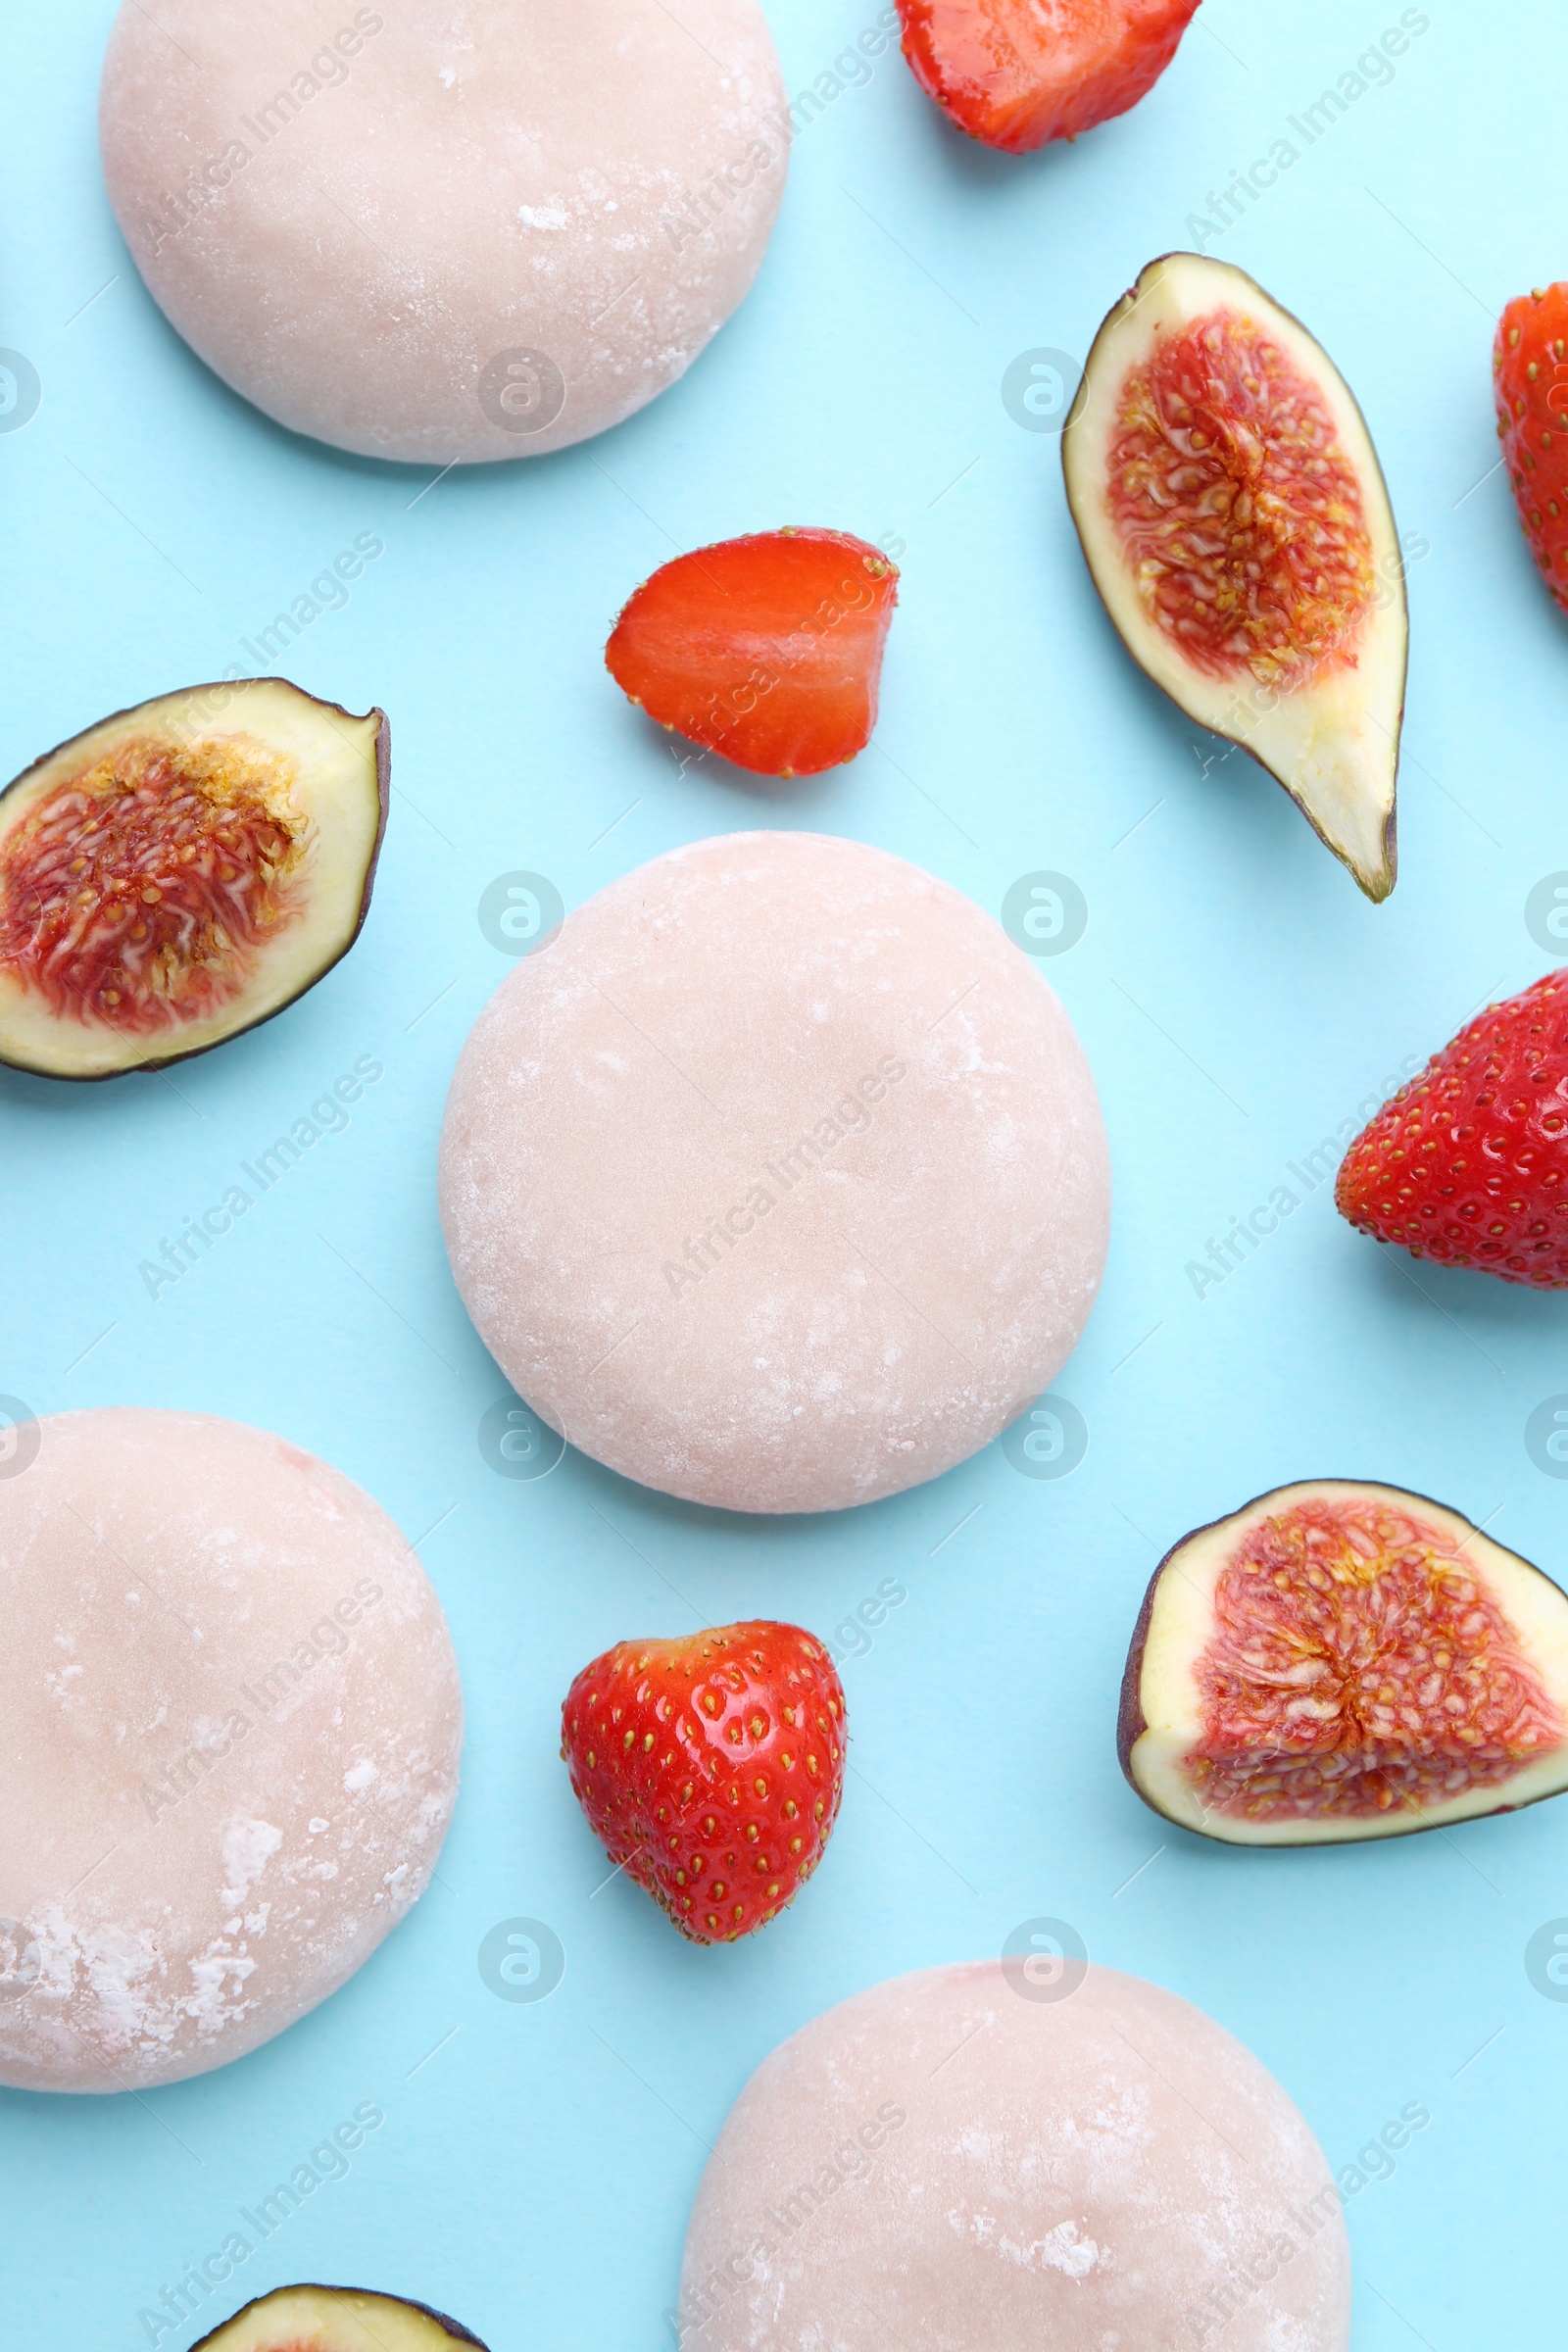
(766, 648)
(710, 1768)
(1530, 378)
(1015, 74)
(1468, 1164)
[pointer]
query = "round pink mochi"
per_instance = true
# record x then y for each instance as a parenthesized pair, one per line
(445, 233)
(229, 1726)
(948, 2164)
(777, 1180)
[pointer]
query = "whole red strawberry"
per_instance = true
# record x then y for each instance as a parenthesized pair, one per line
(1014, 73)
(710, 1768)
(766, 648)
(1468, 1164)
(1530, 365)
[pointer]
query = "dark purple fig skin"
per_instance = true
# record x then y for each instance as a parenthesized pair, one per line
(383, 783)
(1131, 1722)
(453, 2328)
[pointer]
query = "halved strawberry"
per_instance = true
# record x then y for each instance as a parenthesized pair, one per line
(1468, 1164)
(710, 1768)
(1015, 74)
(767, 649)
(1529, 369)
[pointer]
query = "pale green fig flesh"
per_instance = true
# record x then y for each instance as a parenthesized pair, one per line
(335, 2318)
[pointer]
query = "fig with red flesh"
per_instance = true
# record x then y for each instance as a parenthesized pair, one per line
(182, 870)
(334, 2319)
(1338, 1661)
(1237, 525)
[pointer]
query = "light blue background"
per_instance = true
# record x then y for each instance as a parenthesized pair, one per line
(1239, 1001)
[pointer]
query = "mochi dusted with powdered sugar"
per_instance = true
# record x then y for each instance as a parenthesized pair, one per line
(231, 1722)
(445, 233)
(776, 1178)
(1029, 2153)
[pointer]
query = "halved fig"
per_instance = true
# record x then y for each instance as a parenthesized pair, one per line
(334, 2319)
(1237, 524)
(1337, 1661)
(182, 871)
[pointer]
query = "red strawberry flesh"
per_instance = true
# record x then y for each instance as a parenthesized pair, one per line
(1015, 74)
(710, 1768)
(767, 649)
(1468, 1164)
(1530, 372)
